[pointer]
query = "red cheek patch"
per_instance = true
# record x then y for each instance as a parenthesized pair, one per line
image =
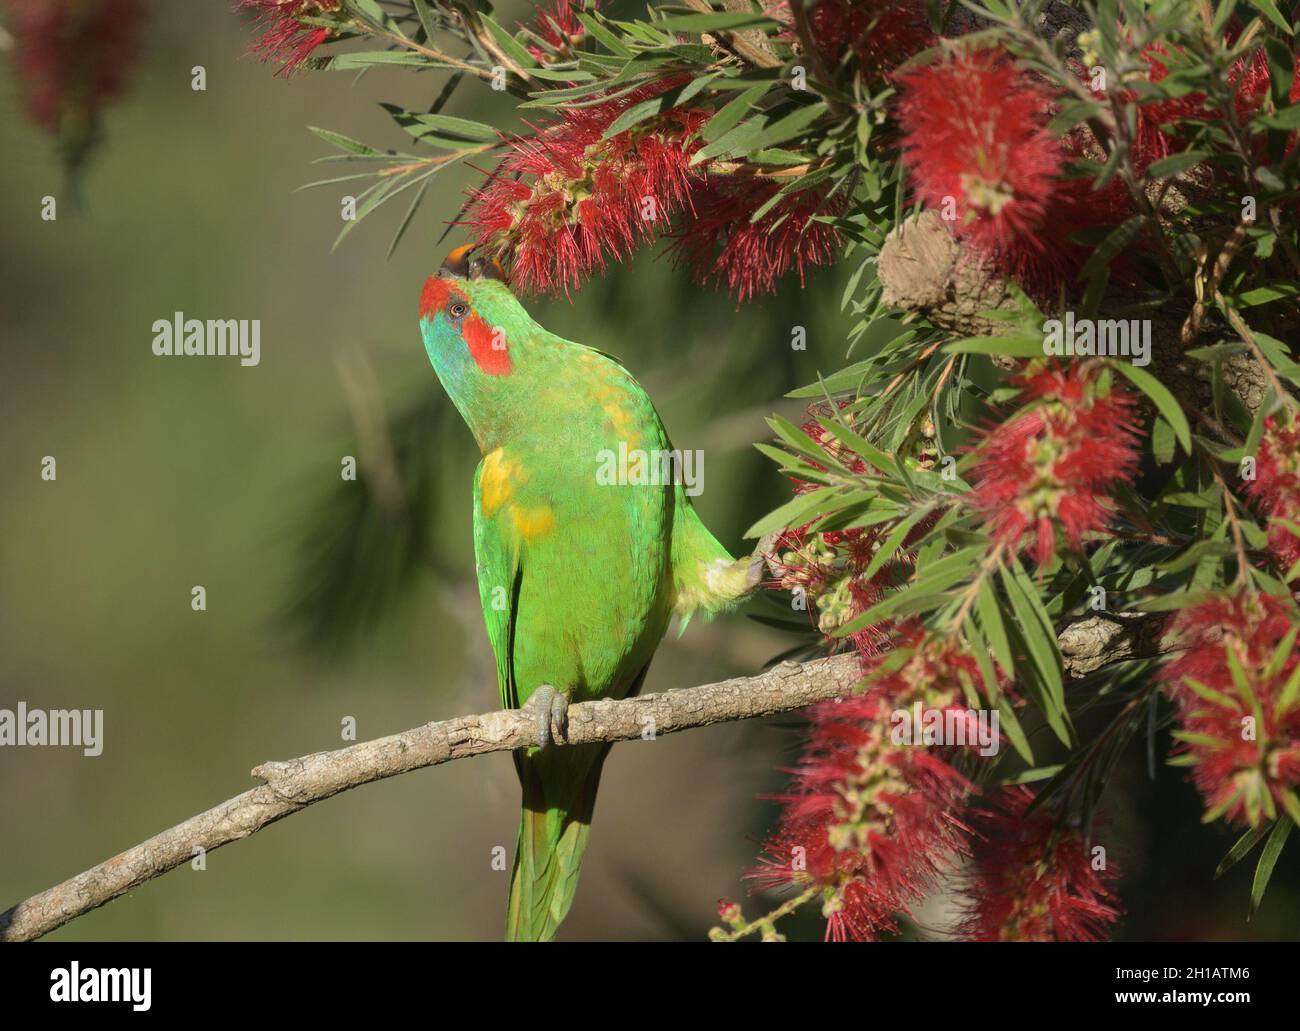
(433, 299)
(480, 337)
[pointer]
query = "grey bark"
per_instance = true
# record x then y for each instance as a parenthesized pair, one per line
(294, 784)
(1087, 644)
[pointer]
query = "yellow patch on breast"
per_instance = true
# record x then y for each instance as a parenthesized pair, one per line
(533, 523)
(621, 423)
(495, 481)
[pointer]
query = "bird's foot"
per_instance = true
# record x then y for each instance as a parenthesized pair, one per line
(551, 711)
(763, 558)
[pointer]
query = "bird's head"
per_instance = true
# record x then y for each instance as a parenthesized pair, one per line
(475, 332)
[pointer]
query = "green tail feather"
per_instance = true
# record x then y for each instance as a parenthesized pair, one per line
(559, 795)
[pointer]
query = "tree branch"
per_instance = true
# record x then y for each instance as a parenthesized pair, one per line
(297, 783)
(1087, 643)
(747, 44)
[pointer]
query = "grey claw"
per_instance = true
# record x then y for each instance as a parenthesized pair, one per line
(540, 702)
(560, 718)
(759, 559)
(551, 711)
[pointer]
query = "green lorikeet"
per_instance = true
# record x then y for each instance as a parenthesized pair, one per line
(578, 576)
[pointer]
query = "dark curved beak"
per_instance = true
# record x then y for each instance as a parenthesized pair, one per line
(460, 265)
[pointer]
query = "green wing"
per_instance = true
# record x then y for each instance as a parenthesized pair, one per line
(496, 561)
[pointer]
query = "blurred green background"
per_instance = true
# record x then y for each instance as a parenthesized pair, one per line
(173, 473)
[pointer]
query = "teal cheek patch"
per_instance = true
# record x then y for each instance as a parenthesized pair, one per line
(429, 332)
(447, 353)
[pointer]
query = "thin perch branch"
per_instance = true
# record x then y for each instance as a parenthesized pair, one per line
(1087, 643)
(297, 783)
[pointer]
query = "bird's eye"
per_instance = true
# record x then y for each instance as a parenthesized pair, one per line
(458, 310)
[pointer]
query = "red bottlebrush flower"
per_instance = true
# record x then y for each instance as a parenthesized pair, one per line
(1276, 486)
(881, 34)
(564, 201)
(1158, 120)
(1030, 880)
(1056, 462)
(825, 568)
(284, 37)
(72, 58)
(723, 245)
(871, 821)
(1240, 732)
(977, 150)
(932, 673)
(557, 22)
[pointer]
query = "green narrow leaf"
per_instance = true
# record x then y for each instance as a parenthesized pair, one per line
(456, 133)
(1036, 628)
(1273, 292)
(649, 108)
(790, 126)
(1019, 345)
(738, 140)
(1176, 163)
(515, 50)
(1162, 442)
(709, 22)
(859, 445)
(804, 444)
(730, 114)
(406, 219)
(1116, 240)
(1161, 398)
(345, 142)
(1269, 10)
(920, 596)
(376, 15)
(354, 60)
(597, 28)
(895, 541)
(1267, 861)
(425, 15)
(1286, 118)
(805, 507)
(990, 617)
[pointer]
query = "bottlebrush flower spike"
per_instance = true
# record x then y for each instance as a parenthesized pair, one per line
(870, 821)
(826, 568)
(1276, 486)
(1056, 463)
(1236, 690)
(564, 201)
(1248, 78)
(977, 149)
(284, 37)
(556, 21)
(1155, 118)
(1030, 880)
(933, 673)
(724, 246)
(72, 58)
(881, 34)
